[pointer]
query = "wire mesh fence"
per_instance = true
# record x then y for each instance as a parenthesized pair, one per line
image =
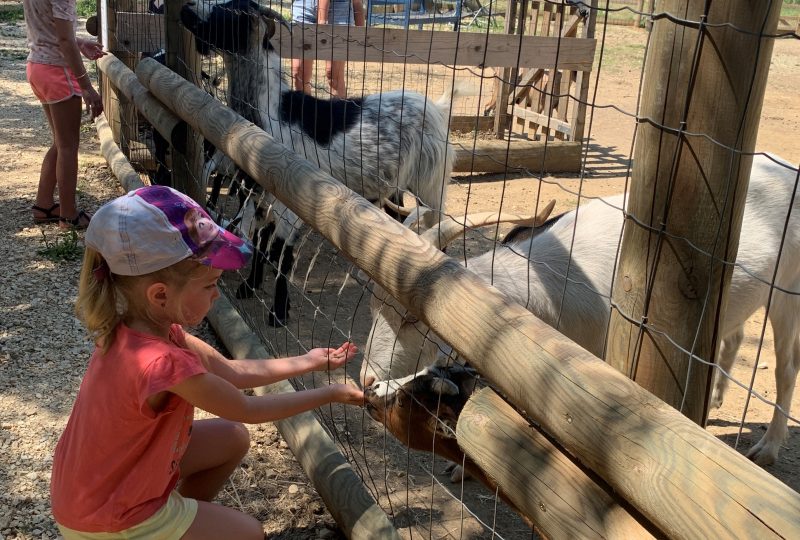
(507, 126)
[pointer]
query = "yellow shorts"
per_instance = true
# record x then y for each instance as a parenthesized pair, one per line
(169, 523)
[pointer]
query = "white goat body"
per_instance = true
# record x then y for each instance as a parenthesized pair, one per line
(564, 276)
(380, 145)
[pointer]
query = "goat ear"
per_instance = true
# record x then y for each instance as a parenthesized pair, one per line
(444, 387)
(445, 425)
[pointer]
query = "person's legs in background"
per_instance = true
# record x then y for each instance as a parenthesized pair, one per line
(335, 75)
(61, 160)
(46, 207)
(301, 74)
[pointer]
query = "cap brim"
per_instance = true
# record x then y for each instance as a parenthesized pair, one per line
(225, 252)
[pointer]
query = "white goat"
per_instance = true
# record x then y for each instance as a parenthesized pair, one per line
(583, 244)
(380, 145)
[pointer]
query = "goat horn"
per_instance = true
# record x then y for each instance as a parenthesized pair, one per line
(421, 219)
(396, 208)
(451, 228)
(272, 14)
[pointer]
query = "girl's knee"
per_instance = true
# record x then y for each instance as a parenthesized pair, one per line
(239, 436)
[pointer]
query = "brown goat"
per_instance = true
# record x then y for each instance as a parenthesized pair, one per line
(422, 410)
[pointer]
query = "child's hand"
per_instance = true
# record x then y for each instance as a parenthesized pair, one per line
(322, 358)
(91, 49)
(348, 394)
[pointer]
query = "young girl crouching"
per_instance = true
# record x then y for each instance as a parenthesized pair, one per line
(132, 463)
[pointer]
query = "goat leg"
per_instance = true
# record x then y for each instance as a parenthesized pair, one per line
(279, 313)
(261, 259)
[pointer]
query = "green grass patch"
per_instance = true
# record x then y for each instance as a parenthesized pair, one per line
(86, 8)
(790, 10)
(11, 12)
(64, 247)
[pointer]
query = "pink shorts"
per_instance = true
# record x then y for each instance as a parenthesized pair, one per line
(52, 84)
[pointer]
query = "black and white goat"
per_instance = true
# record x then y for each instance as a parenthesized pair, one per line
(564, 275)
(380, 145)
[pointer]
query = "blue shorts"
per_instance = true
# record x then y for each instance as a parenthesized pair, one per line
(340, 12)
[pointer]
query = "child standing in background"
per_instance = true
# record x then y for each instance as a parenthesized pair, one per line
(59, 80)
(132, 462)
(324, 12)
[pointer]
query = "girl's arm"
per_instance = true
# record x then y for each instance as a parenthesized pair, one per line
(217, 396)
(254, 373)
(68, 45)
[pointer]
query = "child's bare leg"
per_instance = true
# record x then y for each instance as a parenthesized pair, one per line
(335, 74)
(214, 521)
(215, 450)
(65, 119)
(45, 196)
(302, 70)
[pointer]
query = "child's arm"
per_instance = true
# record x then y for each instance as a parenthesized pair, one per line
(217, 396)
(254, 373)
(67, 44)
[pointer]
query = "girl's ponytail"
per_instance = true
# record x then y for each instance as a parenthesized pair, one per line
(96, 306)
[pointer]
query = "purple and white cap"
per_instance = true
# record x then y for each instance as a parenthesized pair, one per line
(154, 227)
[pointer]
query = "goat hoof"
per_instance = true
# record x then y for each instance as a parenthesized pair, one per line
(244, 291)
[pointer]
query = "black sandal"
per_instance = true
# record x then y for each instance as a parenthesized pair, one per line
(75, 223)
(49, 214)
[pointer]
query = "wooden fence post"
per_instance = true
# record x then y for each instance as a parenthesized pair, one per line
(182, 58)
(687, 194)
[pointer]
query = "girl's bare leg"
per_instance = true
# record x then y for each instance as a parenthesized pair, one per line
(335, 74)
(215, 450)
(301, 74)
(45, 196)
(65, 119)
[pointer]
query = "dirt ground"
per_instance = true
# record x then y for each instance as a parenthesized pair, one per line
(43, 350)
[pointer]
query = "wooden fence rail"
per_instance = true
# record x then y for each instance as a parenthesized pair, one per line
(678, 476)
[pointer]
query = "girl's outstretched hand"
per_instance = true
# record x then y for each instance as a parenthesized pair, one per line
(349, 394)
(322, 358)
(91, 49)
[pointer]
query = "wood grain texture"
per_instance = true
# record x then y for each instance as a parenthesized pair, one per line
(144, 32)
(120, 166)
(345, 496)
(162, 119)
(689, 193)
(543, 483)
(488, 155)
(681, 478)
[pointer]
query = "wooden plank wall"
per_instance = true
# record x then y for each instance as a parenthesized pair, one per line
(144, 32)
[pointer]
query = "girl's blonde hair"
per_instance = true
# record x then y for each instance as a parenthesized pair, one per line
(104, 299)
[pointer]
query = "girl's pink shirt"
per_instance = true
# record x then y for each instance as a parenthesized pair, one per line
(40, 24)
(118, 460)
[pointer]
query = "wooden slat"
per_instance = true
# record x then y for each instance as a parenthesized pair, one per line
(140, 32)
(541, 119)
(144, 32)
(499, 156)
(120, 166)
(541, 481)
(167, 124)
